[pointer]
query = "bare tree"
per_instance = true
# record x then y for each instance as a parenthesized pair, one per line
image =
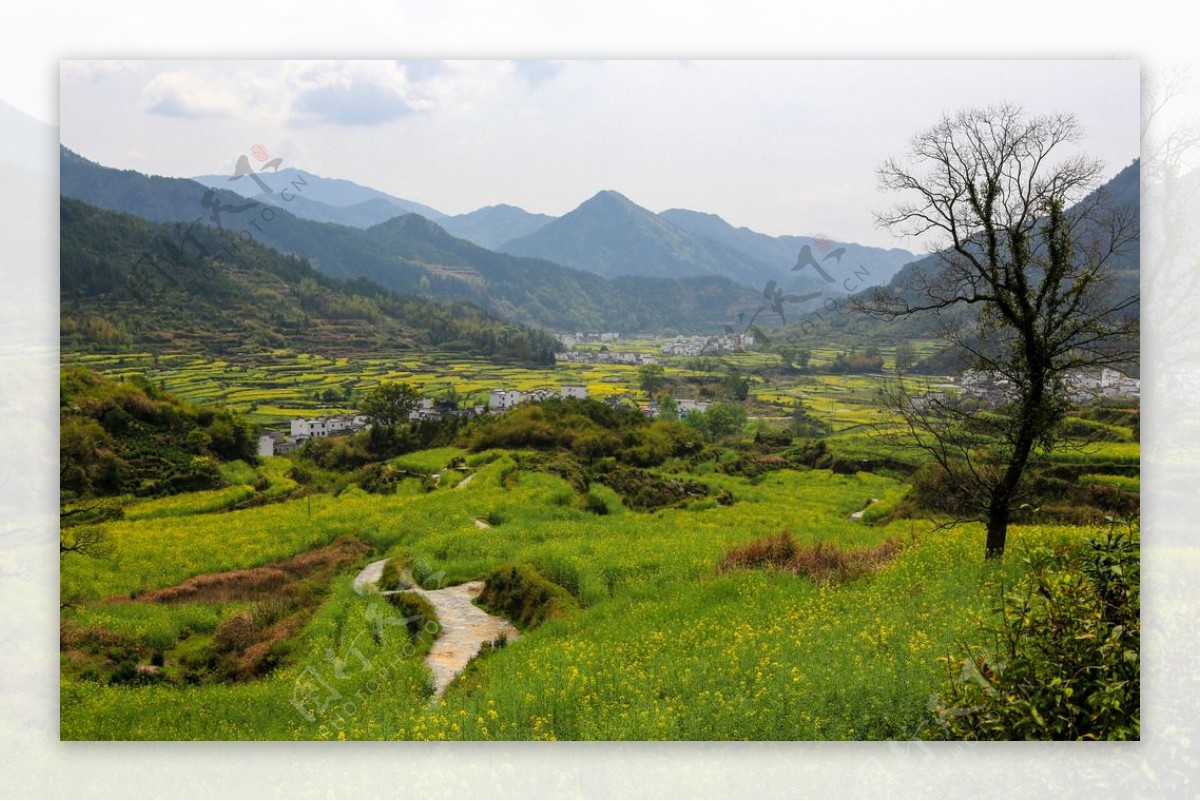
(1021, 287)
(91, 541)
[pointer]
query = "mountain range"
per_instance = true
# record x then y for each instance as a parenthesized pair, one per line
(610, 235)
(492, 226)
(320, 194)
(607, 234)
(780, 252)
(413, 255)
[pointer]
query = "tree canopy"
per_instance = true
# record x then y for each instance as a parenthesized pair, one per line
(389, 404)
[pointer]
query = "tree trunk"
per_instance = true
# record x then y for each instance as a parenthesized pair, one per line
(997, 530)
(1031, 412)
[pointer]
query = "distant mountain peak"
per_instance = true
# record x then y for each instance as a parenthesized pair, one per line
(610, 205)
(610, 235)
(338, 193)
(414, 224)
(609, 196)
(492, 226)
(499, 207)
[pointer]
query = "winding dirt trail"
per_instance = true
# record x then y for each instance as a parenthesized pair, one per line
(369, 575)
(465, 627)
(859, 514)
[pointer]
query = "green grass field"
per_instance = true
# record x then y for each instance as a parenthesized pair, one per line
(663, 645)
(660, 643)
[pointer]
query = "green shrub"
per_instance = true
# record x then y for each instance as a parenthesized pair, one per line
(1063, 664)
(379, 478)
(389, 579)
(420, 619)
(647, 491)
(594, 504)
(524, 596)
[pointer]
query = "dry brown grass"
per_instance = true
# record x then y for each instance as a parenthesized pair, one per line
(248, 643)
(260, 583)
(822, 562)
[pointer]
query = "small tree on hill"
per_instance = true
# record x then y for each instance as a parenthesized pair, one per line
(1029, 246)
(652, 378)
(389, 404)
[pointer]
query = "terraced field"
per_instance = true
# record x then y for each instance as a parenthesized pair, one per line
(282, 384)
(657, 642)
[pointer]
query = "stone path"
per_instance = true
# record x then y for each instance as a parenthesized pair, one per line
(465, 627)
(369, 575)
(464, 482)
(859, 514)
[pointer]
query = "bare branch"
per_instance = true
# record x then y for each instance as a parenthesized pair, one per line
(90, 541)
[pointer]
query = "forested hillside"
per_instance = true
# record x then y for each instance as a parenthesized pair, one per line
(128, 282)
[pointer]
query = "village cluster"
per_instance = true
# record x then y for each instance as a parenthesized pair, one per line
(976, 385)
(696, 346)
(580, 338)
(679, 346)
(606, 357)
(274, 443)
(1083, 386)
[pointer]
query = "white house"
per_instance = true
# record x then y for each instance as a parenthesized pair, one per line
(685, 405)
(501, 400)
(307, 427)
(574, 391)
(276, 443)
(425, 411)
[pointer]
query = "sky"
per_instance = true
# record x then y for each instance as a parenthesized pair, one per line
(782, 147)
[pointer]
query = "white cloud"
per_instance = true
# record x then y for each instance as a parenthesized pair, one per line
(181, 93)
(366, 93)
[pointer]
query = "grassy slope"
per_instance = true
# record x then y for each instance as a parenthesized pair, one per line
(663, 646)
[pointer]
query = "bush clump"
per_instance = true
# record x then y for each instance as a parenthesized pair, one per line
(593, 503)
(524, 596)
(420, 618)
(390, 578)
(1063, 663)
(822, 562)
